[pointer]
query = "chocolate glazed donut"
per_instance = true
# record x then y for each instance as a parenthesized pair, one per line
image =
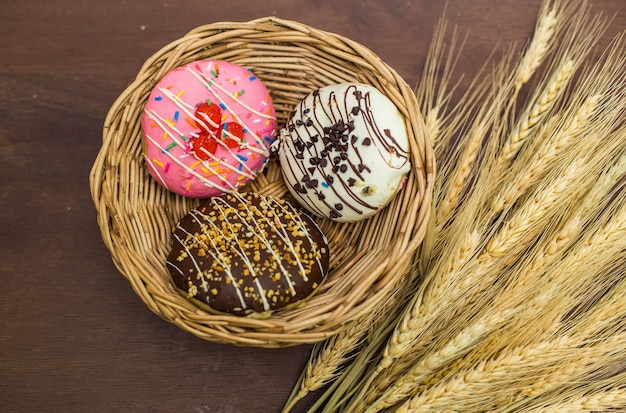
(247, 255)
(344, 152)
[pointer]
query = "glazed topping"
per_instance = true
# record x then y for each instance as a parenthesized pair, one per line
(207, 128)
(344, 151)
(246, 253)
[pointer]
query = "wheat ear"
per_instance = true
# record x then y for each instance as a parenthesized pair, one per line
(414, 320)
(472, 279)
(605, 316)
(340, 357)
(476, 279)
(601, 390)
(547, 254)
(466, 380)
(580, 33)
(550, 249)
(531, 215)
(325, 363)
(536, 112)
(533, 315)
(457, 168)
(599, 85)
(543, 38)
(584, 359)
(487, 371)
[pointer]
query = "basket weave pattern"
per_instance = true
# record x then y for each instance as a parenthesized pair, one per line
(136, 215)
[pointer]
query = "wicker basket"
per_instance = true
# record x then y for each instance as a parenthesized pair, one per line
(369, 259)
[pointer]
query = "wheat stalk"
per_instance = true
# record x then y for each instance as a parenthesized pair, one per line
(605, 314)
(473, 126)
(489, 372)
(493, 116)
(577, 362)
(459, 179)
(328, 360)
(471, 379)
(485, 372)
(585, 111)
(471, 280)
(548, 251)
(599, 390)
(536, 211)
(325, 363)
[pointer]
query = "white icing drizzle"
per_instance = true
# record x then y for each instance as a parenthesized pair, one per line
(298, 217)
(166, 127)
(262, 293)
(185, 107)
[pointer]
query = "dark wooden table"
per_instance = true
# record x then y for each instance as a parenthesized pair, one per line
(75, 338)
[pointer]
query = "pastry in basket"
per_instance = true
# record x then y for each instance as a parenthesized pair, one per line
(344, 151)
(207, 128)
(247, 254)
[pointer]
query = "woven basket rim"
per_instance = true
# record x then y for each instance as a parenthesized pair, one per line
(134, 213)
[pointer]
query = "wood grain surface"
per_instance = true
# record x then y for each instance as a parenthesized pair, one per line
(75, 338)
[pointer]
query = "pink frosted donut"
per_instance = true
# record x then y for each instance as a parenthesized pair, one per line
(207, 128)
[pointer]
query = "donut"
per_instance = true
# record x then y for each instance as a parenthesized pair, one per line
(247, 254)
(206, 128)
(344, 152)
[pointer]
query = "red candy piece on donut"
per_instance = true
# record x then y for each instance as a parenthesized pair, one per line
(211, 111)
(204, 143)
(232, 129)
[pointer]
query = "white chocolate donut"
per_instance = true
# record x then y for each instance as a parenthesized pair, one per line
(344, 152)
